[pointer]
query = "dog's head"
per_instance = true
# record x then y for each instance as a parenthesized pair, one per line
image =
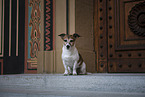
(69, 40)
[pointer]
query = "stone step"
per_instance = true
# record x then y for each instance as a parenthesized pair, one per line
(62, 93)
(57, 85)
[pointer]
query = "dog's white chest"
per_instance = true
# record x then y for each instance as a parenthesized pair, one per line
(70, 56)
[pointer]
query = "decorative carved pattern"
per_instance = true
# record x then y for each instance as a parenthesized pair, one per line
(136, 19)
(35, 31)
(32, 64)
(48, 23)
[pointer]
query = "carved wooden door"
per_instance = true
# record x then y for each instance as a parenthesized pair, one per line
(120, 32)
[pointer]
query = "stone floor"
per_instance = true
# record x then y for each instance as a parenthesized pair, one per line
(57, 85)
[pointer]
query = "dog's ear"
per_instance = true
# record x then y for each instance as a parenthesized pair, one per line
(75, 35)
(62, 35)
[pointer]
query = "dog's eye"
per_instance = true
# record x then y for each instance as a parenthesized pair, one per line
(71, 40)
(65, 40)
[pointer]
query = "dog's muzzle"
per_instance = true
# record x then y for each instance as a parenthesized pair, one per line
(67, 46)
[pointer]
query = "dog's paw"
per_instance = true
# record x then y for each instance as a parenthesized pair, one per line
(74, 73)
(65, 74)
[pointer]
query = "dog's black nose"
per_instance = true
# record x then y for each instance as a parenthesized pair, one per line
(67, 46)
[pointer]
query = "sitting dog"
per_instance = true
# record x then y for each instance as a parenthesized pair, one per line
(72, 60)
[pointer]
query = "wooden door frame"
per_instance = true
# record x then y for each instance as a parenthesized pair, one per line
(1, 62)
(100, 32)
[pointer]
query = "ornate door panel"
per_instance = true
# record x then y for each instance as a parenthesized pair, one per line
(39, 31)
(32, 33)
(125, 36)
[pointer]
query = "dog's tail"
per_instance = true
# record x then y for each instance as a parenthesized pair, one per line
(87, 73)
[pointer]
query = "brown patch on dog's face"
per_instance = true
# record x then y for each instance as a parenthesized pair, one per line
(69, 40)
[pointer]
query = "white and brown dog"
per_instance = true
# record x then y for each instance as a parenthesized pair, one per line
(72, 60)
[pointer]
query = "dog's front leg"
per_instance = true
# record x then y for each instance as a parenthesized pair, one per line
(66, 69)
(74, 68)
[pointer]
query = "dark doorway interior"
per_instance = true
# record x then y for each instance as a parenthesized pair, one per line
(13, 61)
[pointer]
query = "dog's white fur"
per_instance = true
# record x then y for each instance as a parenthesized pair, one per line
(70, 58)
(70, 61)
